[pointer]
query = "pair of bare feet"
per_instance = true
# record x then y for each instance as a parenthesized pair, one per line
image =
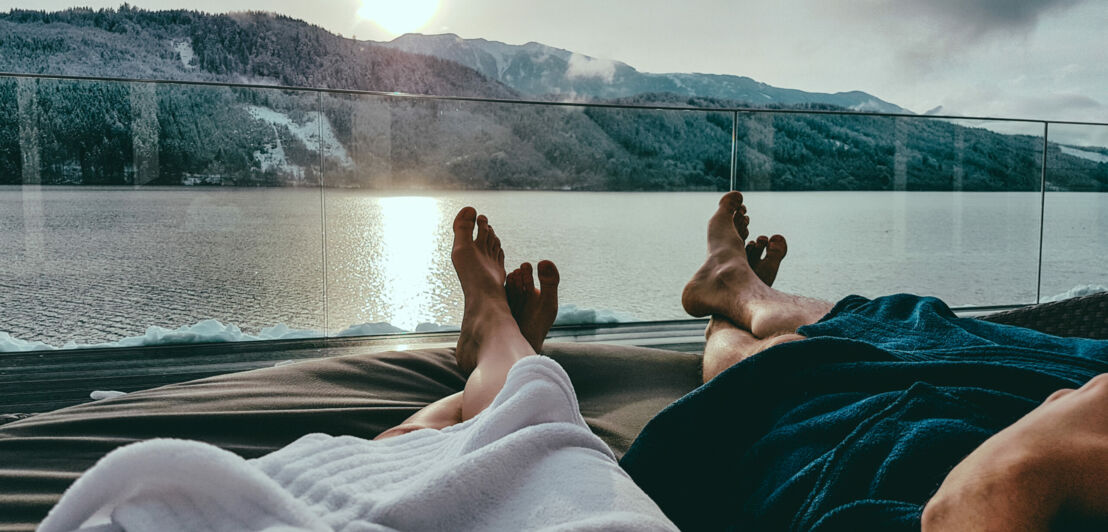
(506, 316)
(733, 286)
(489, 291)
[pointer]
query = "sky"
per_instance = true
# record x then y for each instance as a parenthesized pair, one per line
(1038, 59)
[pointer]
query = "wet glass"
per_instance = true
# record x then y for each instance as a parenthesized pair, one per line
(1075, 222)
(133, 205)
(874, 205)
(604, 193)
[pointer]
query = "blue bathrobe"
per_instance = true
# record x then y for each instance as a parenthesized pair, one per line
(855, 427)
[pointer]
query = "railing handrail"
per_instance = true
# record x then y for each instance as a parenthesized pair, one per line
(595, 105)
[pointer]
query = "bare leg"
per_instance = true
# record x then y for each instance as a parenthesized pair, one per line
(728, 345)
(437, 415)
(490, 342)
(534, 308)
(534, 312)
(727, 286)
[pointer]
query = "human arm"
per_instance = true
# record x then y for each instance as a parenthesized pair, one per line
(1051, 464)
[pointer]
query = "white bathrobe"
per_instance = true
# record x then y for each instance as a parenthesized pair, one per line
(527, 462)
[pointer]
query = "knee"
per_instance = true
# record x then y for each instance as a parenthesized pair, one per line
(780, 339)
(401, 429)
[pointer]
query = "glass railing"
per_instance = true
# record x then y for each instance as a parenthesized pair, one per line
(136, 212)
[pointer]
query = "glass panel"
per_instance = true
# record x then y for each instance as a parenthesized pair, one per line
(879, 205)
(562, 183)
(139, 205)
(1075, 228)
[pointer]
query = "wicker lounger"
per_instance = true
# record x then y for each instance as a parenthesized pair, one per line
(1085, 317)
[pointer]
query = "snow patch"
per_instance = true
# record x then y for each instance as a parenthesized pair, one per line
(369, 329)
(868, 105)
(105, 394)
(1090, 155)
(185, 52)
(574, 315)
(1077, 291)
(308, 133)
(582, 66)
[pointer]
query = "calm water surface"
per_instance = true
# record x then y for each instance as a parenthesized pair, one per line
(93, 264)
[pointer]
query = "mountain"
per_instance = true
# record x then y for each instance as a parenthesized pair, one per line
(76, 132)
(537, 69)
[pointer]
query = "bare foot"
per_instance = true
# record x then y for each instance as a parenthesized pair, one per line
(764, 256)
(486, 321)
(726, 274)
(726, 285)
(534, 309)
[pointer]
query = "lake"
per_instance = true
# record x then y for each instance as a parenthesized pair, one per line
(92, 265)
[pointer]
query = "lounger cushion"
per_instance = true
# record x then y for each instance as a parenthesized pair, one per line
(255, 412)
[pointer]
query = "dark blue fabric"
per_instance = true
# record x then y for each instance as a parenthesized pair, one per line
(855, 427)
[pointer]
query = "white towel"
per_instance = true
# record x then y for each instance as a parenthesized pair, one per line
(527, 462)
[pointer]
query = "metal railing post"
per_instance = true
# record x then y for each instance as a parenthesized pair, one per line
(1042, 213)
(734, 150)
(323, 217)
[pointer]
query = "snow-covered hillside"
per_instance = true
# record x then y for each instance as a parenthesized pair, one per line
(314, 132)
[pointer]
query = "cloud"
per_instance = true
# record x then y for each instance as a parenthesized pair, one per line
(937, 34)
(990, 15)
(581, 66)
(1008, 100)
(972, 20)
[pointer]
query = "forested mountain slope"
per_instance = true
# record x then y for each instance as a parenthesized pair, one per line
(243, 47)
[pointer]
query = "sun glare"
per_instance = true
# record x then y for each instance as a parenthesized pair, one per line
(410, 237)
(399, 16)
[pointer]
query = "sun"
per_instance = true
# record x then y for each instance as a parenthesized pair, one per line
(399, 16)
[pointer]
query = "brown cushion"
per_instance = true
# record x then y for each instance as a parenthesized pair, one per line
(255, 412)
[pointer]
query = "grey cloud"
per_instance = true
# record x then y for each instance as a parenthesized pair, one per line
(973, 19)
(939, 33)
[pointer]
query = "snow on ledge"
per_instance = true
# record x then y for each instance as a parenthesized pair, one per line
(212, 331)
(1077, 291)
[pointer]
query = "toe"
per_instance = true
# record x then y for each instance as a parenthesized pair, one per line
(742, 224)
(752, 254)
(493, 247)
(731, 201)
(528, 277)
(548, 275)
(547, 282)
(721, 227)
(513, 288)
(463, 225)
(482, 232)
(756, 253)
(500, 258)
(776, 248)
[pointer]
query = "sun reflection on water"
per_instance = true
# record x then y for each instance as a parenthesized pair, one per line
(410, 238)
